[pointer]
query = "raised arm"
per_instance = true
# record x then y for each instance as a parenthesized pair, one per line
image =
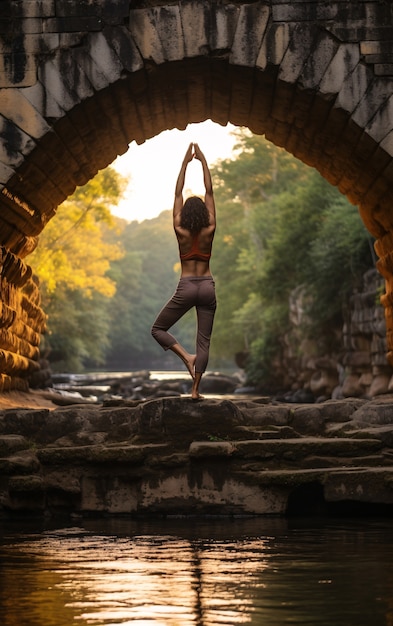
(178, 202)
(207, 179)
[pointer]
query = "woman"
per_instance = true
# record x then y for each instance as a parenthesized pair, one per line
(194, 222)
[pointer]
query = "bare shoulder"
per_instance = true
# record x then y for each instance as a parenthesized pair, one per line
(181, 233)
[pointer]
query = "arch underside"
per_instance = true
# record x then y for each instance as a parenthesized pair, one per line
(92, 134)
(89, 137)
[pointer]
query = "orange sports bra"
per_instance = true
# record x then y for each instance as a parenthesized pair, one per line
(195, 254)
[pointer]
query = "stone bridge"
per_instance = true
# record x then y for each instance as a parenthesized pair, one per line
(80, 80)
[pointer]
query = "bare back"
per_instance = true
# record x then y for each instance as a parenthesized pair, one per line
(195, 267)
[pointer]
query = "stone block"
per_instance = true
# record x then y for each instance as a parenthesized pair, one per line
(343, 63)
(376, 47)
(70, 9)
(305, 11)
(383, 69)
(381, 124)
(123, 44)
(169, 28)
(377, 93)
(208, 491)
(195, 26)
(19, 464)
(209, 449)
(143, 29)
(250, 29)
(301, 40)
(12, 443)
(55, 76)
(14, 137)
(210, 29)
(17, 70)
(318, 61)
(273, 46)
(108, 494)
(27, 8)
(103, 55)
(353, 88)
(367, 485)
(72, 24)
(378, 412)
(183, 420)
(32, 26)
(268, 415)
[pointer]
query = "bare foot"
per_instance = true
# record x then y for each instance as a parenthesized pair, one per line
(197, 397)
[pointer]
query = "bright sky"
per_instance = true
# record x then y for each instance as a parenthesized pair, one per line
(153, 167)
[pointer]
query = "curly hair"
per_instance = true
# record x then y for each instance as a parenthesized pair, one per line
(194, 215)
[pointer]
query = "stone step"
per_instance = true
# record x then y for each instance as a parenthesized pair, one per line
(358, 483)
(298, 476)
(286, 449)
(263, 432)
(12, 443)
(22, 462)
(111, 453)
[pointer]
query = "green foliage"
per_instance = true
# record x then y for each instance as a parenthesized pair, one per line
(77, 330)
(72, 262)
(339, 255)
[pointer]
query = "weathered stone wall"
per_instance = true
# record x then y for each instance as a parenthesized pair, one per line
(357, 364)
(80, 80)
(21, 322)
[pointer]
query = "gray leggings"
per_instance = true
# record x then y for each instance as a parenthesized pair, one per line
(193, 291)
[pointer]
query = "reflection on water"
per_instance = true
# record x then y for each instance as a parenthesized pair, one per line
(211, 572)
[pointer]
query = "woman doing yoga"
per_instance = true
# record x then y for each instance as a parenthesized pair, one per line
(194, 222)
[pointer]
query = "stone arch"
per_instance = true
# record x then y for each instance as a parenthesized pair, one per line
(82, 80)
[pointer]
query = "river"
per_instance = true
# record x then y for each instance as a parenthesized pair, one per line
(190, 571)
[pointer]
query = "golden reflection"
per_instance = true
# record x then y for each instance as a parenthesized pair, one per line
(76, 576)
(164, 581)
(140, 580)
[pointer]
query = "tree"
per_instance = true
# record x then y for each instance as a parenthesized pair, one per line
(72, 262)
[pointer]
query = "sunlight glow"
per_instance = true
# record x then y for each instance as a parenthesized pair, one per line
(153, 167)
(158, 579)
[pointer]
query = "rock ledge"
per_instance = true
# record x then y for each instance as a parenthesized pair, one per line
(173, 456)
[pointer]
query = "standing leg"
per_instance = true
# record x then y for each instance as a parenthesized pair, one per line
(195, 395)
(206, 309)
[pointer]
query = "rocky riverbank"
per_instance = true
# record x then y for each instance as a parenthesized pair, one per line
(174, 456)
(139, 385)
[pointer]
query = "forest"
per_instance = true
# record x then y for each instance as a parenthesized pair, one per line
(280, 226)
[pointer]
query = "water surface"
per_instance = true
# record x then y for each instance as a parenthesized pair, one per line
(268, 572)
